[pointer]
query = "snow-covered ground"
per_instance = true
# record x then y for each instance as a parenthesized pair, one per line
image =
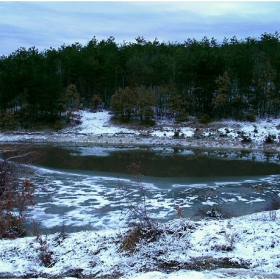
(99, 129)
(244, 247)
(240, 247)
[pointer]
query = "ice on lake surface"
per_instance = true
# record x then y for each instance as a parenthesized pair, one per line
(79, 197)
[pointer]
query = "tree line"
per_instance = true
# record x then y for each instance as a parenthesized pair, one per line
(237, 78)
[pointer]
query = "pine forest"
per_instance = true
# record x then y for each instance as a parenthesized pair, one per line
(142, 80)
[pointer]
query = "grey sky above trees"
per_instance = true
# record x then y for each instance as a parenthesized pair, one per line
(52, 24)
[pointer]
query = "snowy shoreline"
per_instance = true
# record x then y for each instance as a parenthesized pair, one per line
(98, 129)
(133, 140)
(244, 247)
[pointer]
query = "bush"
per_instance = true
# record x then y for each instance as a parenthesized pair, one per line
(215, 212)
(137, 213)
(15, 196)
(9, 120)
(251, 117)
(73, 117)
(273, 204)
(205, 119)
(142, 226)
(58, 125)
(270, 139)
(245, 138)
(45, 254)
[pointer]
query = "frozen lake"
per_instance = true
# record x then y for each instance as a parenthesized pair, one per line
(78, 186)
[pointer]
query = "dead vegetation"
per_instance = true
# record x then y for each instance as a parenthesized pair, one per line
(142, 226)
(16, 190)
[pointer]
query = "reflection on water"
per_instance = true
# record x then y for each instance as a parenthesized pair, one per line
(163, 162)
(78, 186)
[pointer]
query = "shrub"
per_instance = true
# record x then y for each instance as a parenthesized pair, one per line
(9, 120)
(45, 254)
(245, 138)
(137, 211)
(139, 233)
(273, 204)
(272, 215)
(251, 117)
(176, 133)
(131, 239)
(15, 196)
(215, 212)
(179, 211)
(73, 117)
(205, 119)
(58, 125)
(142, 226)
(270, 139)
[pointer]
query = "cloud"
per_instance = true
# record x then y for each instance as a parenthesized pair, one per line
(46, 24)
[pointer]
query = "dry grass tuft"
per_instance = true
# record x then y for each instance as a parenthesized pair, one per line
(131, 239)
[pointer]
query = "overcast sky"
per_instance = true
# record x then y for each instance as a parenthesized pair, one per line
(52, 24)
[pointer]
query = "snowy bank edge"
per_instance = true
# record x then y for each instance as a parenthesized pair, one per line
(133, 140)
(89, 253)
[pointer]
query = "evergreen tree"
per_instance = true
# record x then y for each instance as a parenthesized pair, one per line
(234, 79)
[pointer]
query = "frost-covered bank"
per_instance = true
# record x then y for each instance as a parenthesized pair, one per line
(97, 128)
(244, 247)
